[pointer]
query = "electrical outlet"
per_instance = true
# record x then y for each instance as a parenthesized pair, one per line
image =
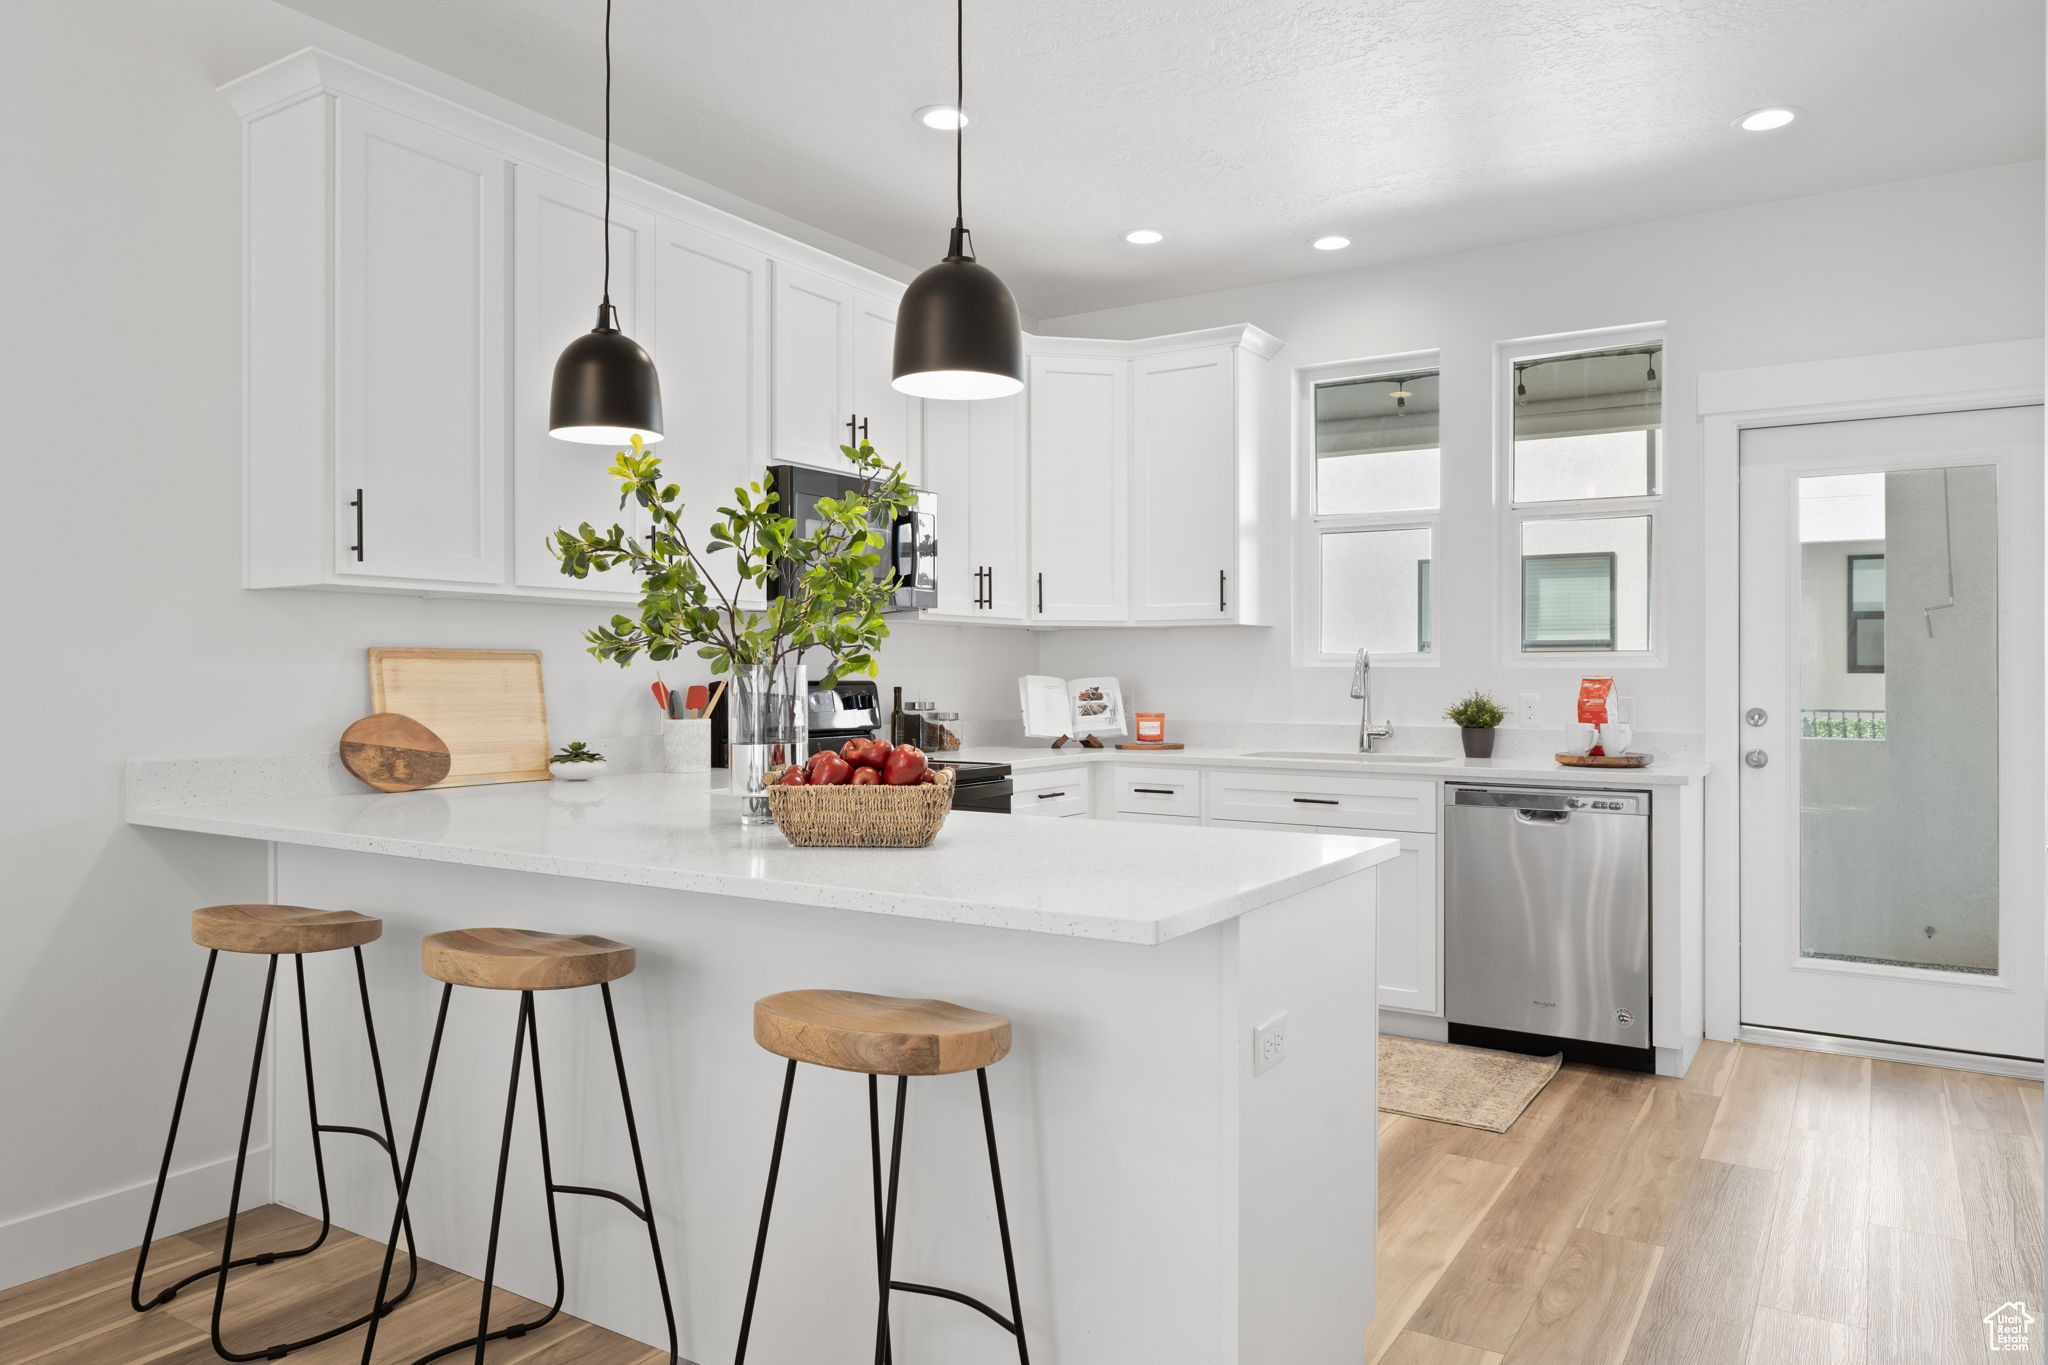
(1269, 1044)
(1530, 704)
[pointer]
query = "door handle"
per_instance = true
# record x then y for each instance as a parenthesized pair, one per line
(358, 546)
(1756, 758)
(1041, 594)
(1222, 583)
(1542, 817)
(1154, 791)
(1314, 801)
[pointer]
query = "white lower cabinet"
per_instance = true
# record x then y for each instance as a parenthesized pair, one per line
(1410, 941)
(1052, 792)
(1155, 791)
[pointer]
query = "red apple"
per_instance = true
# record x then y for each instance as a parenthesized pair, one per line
(792, 777)
(905, 766)
(865, 777)
(854, 751)
(876, 754)
(830, 770)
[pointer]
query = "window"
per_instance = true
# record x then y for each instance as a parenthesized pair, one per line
(1374, 477)
(1584, 469)
(1866, 613)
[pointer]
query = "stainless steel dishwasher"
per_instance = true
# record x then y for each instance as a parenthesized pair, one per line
(1547, 922)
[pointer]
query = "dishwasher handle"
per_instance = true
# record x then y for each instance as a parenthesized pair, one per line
(1542, 817)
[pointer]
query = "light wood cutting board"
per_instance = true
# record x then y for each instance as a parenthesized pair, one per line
(486, 704)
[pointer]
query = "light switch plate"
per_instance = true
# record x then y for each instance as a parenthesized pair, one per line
(1269, 1044)
(1531, 701)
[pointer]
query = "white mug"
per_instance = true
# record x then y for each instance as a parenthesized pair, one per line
(1583, 739)
(1615, 738)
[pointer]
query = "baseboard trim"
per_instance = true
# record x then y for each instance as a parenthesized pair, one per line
(50, 1240)
(1891, 1052)
(1430, 1028)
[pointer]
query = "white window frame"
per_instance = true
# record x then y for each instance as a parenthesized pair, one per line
(1311, 527)
(1511, 515)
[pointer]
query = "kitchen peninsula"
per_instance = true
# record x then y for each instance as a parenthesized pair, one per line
(1169, 1200)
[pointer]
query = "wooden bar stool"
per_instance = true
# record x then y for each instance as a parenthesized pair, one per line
(526, 961)
(882, 1035)
(273, 931)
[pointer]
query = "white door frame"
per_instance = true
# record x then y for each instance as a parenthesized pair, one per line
(1901, 384)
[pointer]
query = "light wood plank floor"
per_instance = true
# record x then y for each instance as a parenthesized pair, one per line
(81, 1316)
(1772, 1208)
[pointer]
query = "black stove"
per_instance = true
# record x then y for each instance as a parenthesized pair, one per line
(980, 786)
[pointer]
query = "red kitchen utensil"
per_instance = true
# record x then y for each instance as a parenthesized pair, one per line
(661, 696)
(696, 699)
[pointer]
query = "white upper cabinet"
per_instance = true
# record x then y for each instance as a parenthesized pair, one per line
(712, 295)
(1079, 459)
(558, 278)
(419, 342)
(813, 369)
(974, 466)
(1185, 524)
(890, 419)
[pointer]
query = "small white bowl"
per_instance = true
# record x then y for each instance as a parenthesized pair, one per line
(579, 772)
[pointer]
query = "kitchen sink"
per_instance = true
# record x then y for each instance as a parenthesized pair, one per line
(1335, 756)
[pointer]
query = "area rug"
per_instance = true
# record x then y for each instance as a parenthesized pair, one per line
(1472, 1086)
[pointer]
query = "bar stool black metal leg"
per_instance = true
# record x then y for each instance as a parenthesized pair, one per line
(390, 1139)
(163, 1172)
(767, 1208)
(547, 1172)
(995, 1171)
(882, 1343)
(639, 1165)
(875, 1170)
(312, 1098)
(400, 1219)
(483, 1331)
(227, 1245)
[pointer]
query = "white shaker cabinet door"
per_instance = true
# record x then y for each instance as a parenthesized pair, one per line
(558, 279)
(1184, 452)
(1078, 447)
(1410, 944)
(420, 352)
(887, 418)
(714, 358)
(812, 367)
(974, 467)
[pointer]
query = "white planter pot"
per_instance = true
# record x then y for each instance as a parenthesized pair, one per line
(579, 772)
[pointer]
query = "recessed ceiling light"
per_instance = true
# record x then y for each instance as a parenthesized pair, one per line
(943, 117)
(1330, 243)
(1764, 120)
(1143, 236)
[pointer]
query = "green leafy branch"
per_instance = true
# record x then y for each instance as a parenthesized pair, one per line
(833, 586)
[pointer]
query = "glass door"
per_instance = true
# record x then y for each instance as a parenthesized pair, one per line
(1892, 684)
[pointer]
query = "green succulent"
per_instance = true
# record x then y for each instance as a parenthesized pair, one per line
(1475, 712)
(575, 751)
(835, 592)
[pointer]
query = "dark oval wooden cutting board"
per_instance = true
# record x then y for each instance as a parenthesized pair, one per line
(394, 753)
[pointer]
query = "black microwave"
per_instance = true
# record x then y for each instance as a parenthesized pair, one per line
(913, 538)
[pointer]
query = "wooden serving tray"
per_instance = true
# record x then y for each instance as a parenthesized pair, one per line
(486, 704)
(1604, 760)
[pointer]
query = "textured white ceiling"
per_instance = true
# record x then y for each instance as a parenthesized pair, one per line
(1243, 129)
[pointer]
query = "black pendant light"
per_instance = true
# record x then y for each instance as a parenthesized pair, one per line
(957, 334)
(605, 391)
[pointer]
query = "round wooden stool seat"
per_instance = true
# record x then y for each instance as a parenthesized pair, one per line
(278, 929)
(880, 1035)
(522, 959)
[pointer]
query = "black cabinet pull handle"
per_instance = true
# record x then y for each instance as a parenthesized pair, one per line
(1222, 600)
(1313, 801)
(1156, 791)
(1047, 796)
(1041, 593)
(358, 546)
(852, 429)
(989, 585)
(863, 428)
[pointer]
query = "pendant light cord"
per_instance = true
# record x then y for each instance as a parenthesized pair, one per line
(959, 112)
(607, 153)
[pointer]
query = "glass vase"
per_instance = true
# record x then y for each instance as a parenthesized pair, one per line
(767, 725)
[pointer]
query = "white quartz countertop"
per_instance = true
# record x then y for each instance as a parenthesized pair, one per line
(1457, 769)
(1120, 881)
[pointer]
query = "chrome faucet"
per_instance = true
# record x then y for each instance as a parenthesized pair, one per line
(1362, 694)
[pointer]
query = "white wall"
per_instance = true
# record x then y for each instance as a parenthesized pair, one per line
(1936, 262)
(127, 635)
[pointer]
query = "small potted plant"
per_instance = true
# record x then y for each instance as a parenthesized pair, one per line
(1476, 716)
(578, 762)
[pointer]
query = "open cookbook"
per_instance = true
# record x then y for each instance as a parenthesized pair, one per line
(1078, 707)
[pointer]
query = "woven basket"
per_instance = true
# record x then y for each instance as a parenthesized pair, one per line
(860, 817)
